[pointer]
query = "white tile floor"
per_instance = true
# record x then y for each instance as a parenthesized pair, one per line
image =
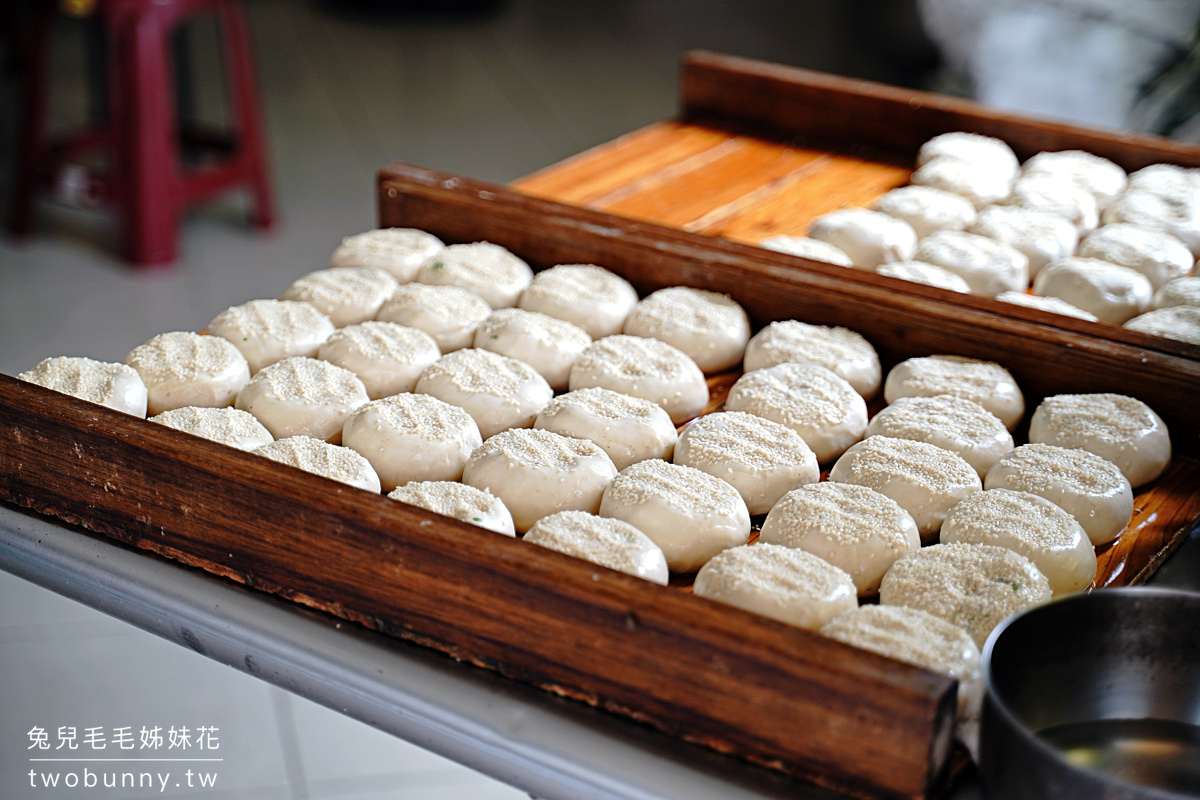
(492, 98)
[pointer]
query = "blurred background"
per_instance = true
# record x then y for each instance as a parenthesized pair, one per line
(492, 89)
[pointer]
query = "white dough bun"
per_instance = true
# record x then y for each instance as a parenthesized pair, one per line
(646, 368)
(586, 295)
(303, 397)
(450, 314)
(497, 391)
(388, 358)
(347, 296)
(399, 251)
(629, 429)
(711, 328)
(551, 346)
(267, 331)
(489, 270)
(846, 353)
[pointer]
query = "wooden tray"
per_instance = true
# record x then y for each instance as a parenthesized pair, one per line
(707, 673)
(760, 149)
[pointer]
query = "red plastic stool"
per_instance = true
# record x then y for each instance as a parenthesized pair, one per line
(147, 183)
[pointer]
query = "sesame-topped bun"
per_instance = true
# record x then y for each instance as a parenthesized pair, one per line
(917, 637)
(628, 428)
(1179, 292)
(457, 500)
(303, 397)
(537, 473)
(1042, 236)
(412, 437)
(646, 368)
(1089, 488)
(230, 426)
(449, 314)
(182, 368)
(267, 331)
(1181, 323)
(846, 353)
(690, 514)
(1030, 525)
(117, 386)
(1103, 179)
(952, 423)
(807, 247)
(497, 391)
(852, 527)
(927, 209)
(824, 409)
(869, 238)
(1156, 254)
(388, 358)
(973, 586)
(1052, 305)
(549, 345)
(487, 269)
(925, 480)
(322, 458)
(762, 459)
(709, 327)
(347, 296)
(988, 266)
(984, 382)
(601, 540)
(399, 251)
(788, 585)
(928, 274)
(1121, 429)
(583, 294)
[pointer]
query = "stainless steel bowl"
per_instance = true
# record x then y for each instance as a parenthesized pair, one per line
(1095, 695)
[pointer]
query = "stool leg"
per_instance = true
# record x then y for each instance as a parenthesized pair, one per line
(246, 110)
(31, 139)
(147, 151)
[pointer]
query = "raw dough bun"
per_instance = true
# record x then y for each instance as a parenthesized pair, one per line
(927, 209)
(928, 274)
(487, 269)
(1121, 429)
(497, 391)
(1056, 195)
(1030, 525)
(1086, 486)
(985, 152)
(1052, 305)
(711, 328)
(537, 473)
(1181, 323)
(399, 251)
(824, 409)
(1112, 292)
(551, 346)
(981, 184)
(388, 358)
(1098, 176)
(989, 267)
(322, 458)
(347, 296)
(412, 437)
(973, 586)
(1156, 254)
(1041, 236)
(583, 294)
(608, 542)
(984, 382)
(303, 397)
(230, 426)
(182, 368)
(917, 637)
(1179, 292)
(1163, 197)
(646, 368)
(788, 585)
(956, 424)
(869, 238)
(629, 429)
(925, 480)
(807, 247)
(763, 460)
(116, 386)
(852, 527)
(449, 314)
(690, 514)
(267, 331)
(457, 500)
(845, 352)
